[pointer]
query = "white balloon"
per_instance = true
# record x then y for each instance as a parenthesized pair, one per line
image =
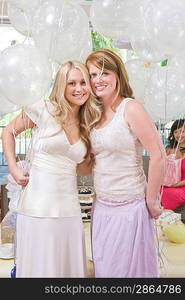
(86, 48)
(165, 24)
(178, 62)
(25, 74)
(72, 47)
(137, 31)
(139, 74)
(9, 36)
(142, 45)
(24, 4)
(134, 14)
(21, 20)
(108, 18)
(60, 29)
(6, 106)
(165, 93)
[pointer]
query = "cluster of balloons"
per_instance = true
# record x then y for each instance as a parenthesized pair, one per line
(59, 30)
(156, 31)
(55, 31)
(160, 89)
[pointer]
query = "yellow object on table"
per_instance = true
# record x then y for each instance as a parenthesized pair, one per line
(175, 232)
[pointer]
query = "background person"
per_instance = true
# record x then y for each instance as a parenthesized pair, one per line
(173, 196)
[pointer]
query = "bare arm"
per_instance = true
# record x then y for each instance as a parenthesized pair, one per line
(144, 128)
(15, 127)
(179, 184)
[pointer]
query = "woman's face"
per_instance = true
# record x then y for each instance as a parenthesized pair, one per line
(179, 135)
(76, 91)
(103, 82)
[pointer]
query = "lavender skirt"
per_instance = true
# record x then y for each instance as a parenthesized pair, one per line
(123, 241)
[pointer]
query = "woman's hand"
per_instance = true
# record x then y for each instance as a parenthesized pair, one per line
(20, 176)
(154, 209)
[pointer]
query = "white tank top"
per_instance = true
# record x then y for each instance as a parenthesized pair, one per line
(118, 173)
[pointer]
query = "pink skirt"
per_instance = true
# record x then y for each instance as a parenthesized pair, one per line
(124, 241)
(50, 247)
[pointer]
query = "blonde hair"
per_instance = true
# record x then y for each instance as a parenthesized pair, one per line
(89, 112)
(105, 59)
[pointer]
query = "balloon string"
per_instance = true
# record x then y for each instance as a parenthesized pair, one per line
(148, 76)
(54, 34)
(27, 23)
(165, 96)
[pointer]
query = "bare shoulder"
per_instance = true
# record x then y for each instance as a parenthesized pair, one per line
(135, 110)
(133, 105)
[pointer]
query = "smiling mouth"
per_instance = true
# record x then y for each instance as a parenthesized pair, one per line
(79, 95)
(100, 87)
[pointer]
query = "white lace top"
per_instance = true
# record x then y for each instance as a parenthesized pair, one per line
(118, 173)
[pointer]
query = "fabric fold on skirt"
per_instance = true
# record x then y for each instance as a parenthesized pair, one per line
(124, 241)
(50, 247)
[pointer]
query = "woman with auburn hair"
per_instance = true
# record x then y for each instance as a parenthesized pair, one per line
(49, 230)
(126, 206)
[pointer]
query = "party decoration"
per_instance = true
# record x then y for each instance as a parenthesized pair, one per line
(164, 94)
(24, 4)
(20, 19)
(61, 30)
(141, 43)
(165, 25)
(139, 73)
(25, 74)
(6, 106)
(108, 18)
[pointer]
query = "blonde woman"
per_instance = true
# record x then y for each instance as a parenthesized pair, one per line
(123, 231)
(50, 237)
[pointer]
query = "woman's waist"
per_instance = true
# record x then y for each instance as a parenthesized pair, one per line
(119, 180)
(119, 198)
(119, 170)
(54, 163)
(65, 206)
(111, 203)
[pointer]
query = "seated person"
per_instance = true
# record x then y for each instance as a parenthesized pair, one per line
(173, 195)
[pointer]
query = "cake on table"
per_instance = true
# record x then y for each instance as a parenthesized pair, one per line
(86, 196)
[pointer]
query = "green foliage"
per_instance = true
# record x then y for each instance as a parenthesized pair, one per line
(164, 63)
(8, 117)
(101, 42)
